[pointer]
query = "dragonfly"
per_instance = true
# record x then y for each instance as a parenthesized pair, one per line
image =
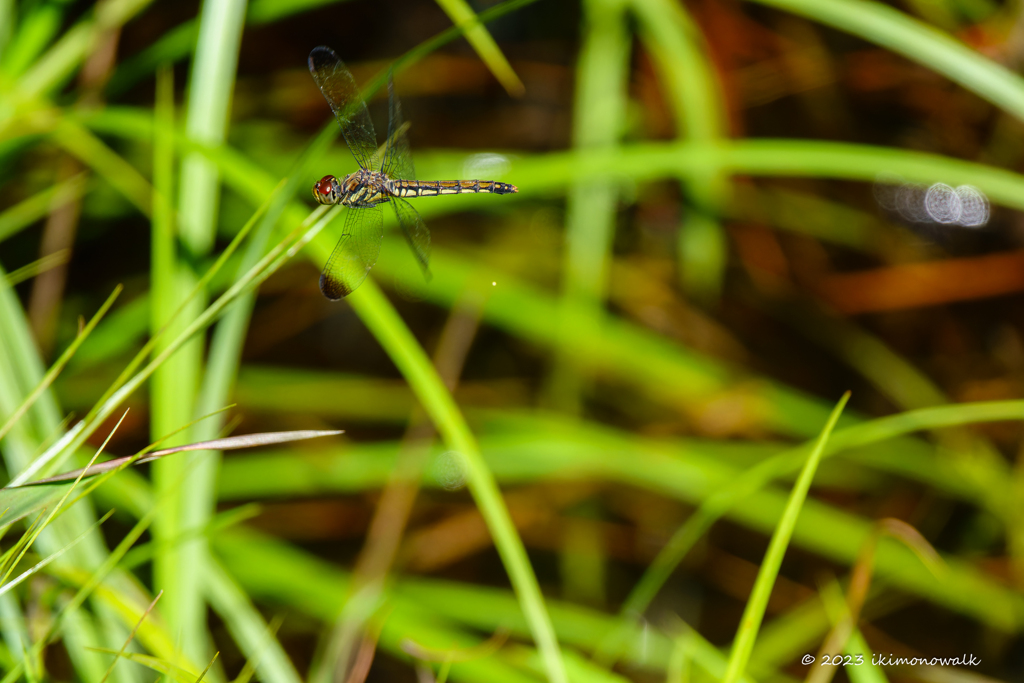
(382, 178)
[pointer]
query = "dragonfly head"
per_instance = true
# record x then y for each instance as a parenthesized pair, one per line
(326, 190)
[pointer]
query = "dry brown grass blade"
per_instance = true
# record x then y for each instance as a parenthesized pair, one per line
(226, 444)
(392, 513)
(860, 582)
(914, 285)
(131, 637)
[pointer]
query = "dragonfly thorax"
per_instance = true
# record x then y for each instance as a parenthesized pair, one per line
(364, 188)
(361, 189)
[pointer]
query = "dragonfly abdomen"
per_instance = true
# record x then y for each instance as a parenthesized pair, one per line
(432, 188)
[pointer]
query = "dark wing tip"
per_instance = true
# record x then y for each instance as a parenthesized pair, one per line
(320, 57)
(333, 289)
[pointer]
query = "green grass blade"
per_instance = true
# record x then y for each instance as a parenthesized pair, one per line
(218, 382)
(918, 42)
(38, 566)
(247, 626)
(116, 334)
(267, 11)
(35, 31)
(39, 266)
(377, 313)
(110, 166)
(175, 382)
(599, 112)
(447, 36)
(56, 368)
(14, 628)
(36, 207)
(211, 84)
(835, 603)
(60, 61)
(179, 568)
(178, 42)
(462, 15)
(753, 613)
(283, 574)
(128, 383)
(693, 93)
(21, 370)
(7, 15)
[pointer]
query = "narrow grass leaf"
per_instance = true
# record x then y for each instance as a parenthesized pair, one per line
(247, 672)
(208, 666)
(426, 47)
(174, 671)
(917, 41)
(56, 368)
(176, 43)
(867, 672)
(247, 626)
(599, 113)
(31, 270)
(124, 387)
(35, 29)
(36, 207)
(758, 600)
(692, 90)
(109, 165)
(18, 503)
(476, 34)
(383, 321)
(93, 584)
(64, 56)
(131, 636)
(30, 538)
(34, 569)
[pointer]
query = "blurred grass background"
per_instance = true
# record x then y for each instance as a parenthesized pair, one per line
(569, 455)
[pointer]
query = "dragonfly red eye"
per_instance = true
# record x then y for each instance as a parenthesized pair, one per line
(323, 190)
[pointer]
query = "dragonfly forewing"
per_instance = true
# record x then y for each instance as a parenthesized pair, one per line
(398, 158)
(339, 89)
(355, 253)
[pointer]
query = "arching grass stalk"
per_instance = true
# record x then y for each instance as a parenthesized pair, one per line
(385, 324)
(758, 600)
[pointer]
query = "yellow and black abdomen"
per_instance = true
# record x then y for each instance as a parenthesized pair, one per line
(432, 188)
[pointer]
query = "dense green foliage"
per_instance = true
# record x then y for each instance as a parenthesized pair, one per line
(579, 390)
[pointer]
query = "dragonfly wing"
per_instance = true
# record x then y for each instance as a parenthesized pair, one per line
(340, 91)
(355, 254)
(415, 231)
(397, 159)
